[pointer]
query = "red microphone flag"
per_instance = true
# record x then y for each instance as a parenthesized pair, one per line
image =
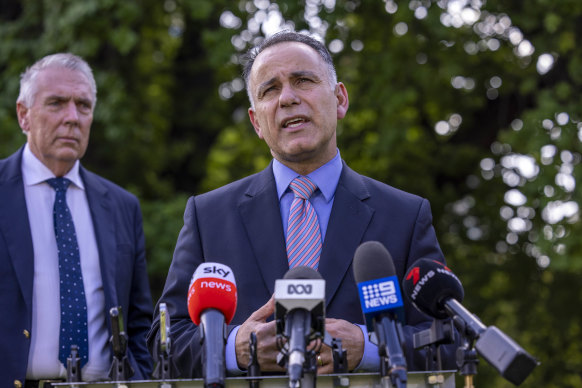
(212, 286)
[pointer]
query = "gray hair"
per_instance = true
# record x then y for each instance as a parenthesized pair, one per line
(282, 37)
(28, 86)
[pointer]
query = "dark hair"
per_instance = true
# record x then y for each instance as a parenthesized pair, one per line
(282, 37)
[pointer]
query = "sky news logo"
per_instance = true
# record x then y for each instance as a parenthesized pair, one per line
(380, 294)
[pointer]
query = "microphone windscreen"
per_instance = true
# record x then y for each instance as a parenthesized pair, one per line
(428, 284)
(212, 287)
(302, 272)
(372, 261)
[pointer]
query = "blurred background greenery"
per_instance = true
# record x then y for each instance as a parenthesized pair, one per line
(473, 104)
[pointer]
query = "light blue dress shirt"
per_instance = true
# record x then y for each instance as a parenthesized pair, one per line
(326, 178)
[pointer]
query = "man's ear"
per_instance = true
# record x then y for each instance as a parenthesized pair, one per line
(343, 101)
(22, 114)
(255, 123)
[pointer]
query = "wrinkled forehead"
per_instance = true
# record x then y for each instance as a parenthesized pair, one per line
(63, 81)
(283, 59)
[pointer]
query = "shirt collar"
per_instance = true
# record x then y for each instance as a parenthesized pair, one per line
(325, 177)
(35, 172)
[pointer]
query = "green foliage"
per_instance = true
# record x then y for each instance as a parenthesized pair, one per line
(436, 110)
(162, 222)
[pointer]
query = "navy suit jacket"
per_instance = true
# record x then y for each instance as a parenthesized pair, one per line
(117, 222)
(240, 225)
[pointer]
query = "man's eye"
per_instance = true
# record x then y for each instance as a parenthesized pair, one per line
(267, 91)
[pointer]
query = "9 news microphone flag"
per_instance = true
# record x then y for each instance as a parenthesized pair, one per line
(382, 305)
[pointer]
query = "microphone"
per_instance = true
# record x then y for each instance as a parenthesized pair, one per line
(382, 306)
(299, 315)
(435, 290)
(121, 368)
(212, 302)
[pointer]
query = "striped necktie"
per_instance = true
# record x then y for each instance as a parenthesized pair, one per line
(73, 330)
(303, 234)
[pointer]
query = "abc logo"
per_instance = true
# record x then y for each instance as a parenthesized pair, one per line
(299, 289)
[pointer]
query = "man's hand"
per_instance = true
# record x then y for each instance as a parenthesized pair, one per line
(266, 333)
(352, 341)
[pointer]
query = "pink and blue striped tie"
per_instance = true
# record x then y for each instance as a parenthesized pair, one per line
(303, 234)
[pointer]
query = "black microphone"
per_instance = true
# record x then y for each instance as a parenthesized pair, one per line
(299, 315)
(435, 290)
(382, 306)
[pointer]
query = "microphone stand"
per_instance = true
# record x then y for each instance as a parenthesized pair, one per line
(467, 360)
(340, 363)
(121, 369)
(253, 369)
(74, 366)
(440, 332)
(309, 370)
(166, 368)
(306, 376)
(392, 369)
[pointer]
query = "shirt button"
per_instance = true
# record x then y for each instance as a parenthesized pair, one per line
(26, 333)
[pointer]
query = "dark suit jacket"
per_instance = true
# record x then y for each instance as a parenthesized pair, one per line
(240, 225)
(118, 228)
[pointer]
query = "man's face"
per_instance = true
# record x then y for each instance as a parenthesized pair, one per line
(59, 121)
(295, 107)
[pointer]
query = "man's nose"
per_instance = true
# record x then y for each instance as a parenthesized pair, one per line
(288, 96)
(71, 112)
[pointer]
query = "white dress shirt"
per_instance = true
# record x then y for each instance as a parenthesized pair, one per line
(43, 359)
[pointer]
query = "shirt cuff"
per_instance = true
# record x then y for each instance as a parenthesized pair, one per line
(370, 359)
(230, 354)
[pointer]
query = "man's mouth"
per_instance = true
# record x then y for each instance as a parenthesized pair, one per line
(66, 139)
(294, 122)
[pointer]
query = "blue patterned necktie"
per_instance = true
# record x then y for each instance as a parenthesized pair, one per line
(73, 330)
(303, 234)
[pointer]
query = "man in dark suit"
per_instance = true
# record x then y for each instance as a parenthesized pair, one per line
(296, 102)
(55, 111)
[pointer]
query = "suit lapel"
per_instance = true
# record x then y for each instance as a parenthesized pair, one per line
(349, 219)
(104, 226)
(15, 226)
(260, 213)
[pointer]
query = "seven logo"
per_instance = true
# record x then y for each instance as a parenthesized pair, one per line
(414, 273)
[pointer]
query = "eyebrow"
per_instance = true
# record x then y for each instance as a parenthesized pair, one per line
(298, 74)
(295, 74)
(265, 85)
(57, 97)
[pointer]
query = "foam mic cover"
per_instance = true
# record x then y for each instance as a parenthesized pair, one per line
(302, 272)
(428, 284)
(372, 261)
(212, 287)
